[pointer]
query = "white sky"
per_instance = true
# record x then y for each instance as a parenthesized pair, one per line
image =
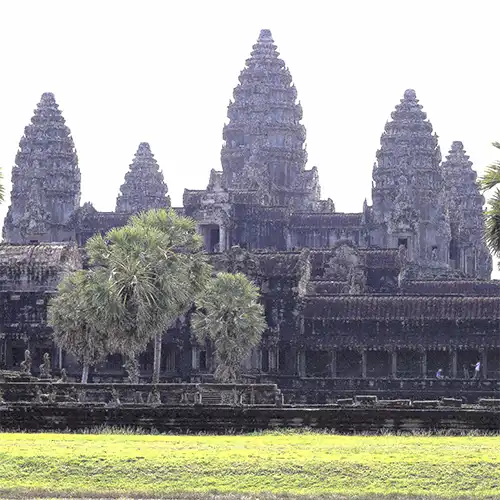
(163, 72)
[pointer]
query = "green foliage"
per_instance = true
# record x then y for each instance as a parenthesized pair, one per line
(491, 180)
(76, 314)
(155, 269)
(142, 466)
(2, 189)
(491, 176)
(144, 276)
(229, 316)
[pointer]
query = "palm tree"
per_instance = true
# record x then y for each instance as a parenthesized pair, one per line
(2, 189)
(189, 270)
(490, 180)
(76, 315)
(229, 315)
(155, 269)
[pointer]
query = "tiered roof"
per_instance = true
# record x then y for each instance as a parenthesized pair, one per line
(464, 199)
(46, 177)
(264, 126)
(144, 187)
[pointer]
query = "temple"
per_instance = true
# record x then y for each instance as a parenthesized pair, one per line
(396, 291)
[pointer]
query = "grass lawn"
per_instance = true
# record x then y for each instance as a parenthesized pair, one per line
(273, 464)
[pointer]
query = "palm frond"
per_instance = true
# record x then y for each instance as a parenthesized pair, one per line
(492, 223)
(229, 315)
(2, 189)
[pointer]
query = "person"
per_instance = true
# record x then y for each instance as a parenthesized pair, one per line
(439, 373)
(477, 370)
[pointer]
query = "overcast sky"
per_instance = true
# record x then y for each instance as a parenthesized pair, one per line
(163, 72)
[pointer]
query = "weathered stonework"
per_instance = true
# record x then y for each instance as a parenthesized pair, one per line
(409, 205)
(468, 250)
(45, 180)
(144, 187)
(395, 291)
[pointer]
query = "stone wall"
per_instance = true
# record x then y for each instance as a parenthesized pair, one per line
(232, 419)
(39, 392)
(325, 391)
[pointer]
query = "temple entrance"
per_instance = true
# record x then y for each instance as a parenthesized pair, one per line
(211, 237)
(317, 363)
(14, 353)
(438, 360)
(171, 358)
(348, 364)
(203, 361)
(409, 364)
(378, 364)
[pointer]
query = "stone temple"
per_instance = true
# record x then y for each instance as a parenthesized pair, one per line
(398, 290)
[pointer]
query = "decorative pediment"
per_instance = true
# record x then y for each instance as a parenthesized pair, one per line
(344, 257)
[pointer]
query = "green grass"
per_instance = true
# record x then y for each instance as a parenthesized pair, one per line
(272, 464)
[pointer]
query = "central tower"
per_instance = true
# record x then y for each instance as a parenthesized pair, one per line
(264, 140)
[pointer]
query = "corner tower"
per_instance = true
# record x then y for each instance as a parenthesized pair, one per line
(264, 146)
(144, 187)
(468, 251)
(409, 205)
(45, 179)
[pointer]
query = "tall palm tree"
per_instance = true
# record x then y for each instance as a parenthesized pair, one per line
(76, 316)
(189, 270)
(229, 315)
(491, 180)
(155, 271)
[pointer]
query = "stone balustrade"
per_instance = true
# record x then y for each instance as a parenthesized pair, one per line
(140, 394)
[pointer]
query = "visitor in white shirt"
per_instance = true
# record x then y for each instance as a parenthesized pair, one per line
(477, 369)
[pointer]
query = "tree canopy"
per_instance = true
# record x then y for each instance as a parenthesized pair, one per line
(142, 277)
(229, 315)
(77, 314)
(152, 270)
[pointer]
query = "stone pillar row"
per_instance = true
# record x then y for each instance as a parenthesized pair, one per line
(301, 369)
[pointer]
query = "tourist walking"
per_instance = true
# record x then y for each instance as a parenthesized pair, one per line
(477, 370)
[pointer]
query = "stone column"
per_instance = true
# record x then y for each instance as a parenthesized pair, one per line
(222, 238)
(454, 358)
(394, 363)
(3, 350)
(273, 359)
(288, 239)
(60, 357)
(195, 358)
(254, 359)
(484, 362)
(363, 363)
(301, 363)
(332, 367)
(423, 363)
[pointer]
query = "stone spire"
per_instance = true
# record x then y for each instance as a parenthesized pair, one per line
(468, 251)
(144, 187)
(45, 179)
(408, 193)
(264, 140)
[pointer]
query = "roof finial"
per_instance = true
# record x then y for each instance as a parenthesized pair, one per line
(265, 36)
(410, 94)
